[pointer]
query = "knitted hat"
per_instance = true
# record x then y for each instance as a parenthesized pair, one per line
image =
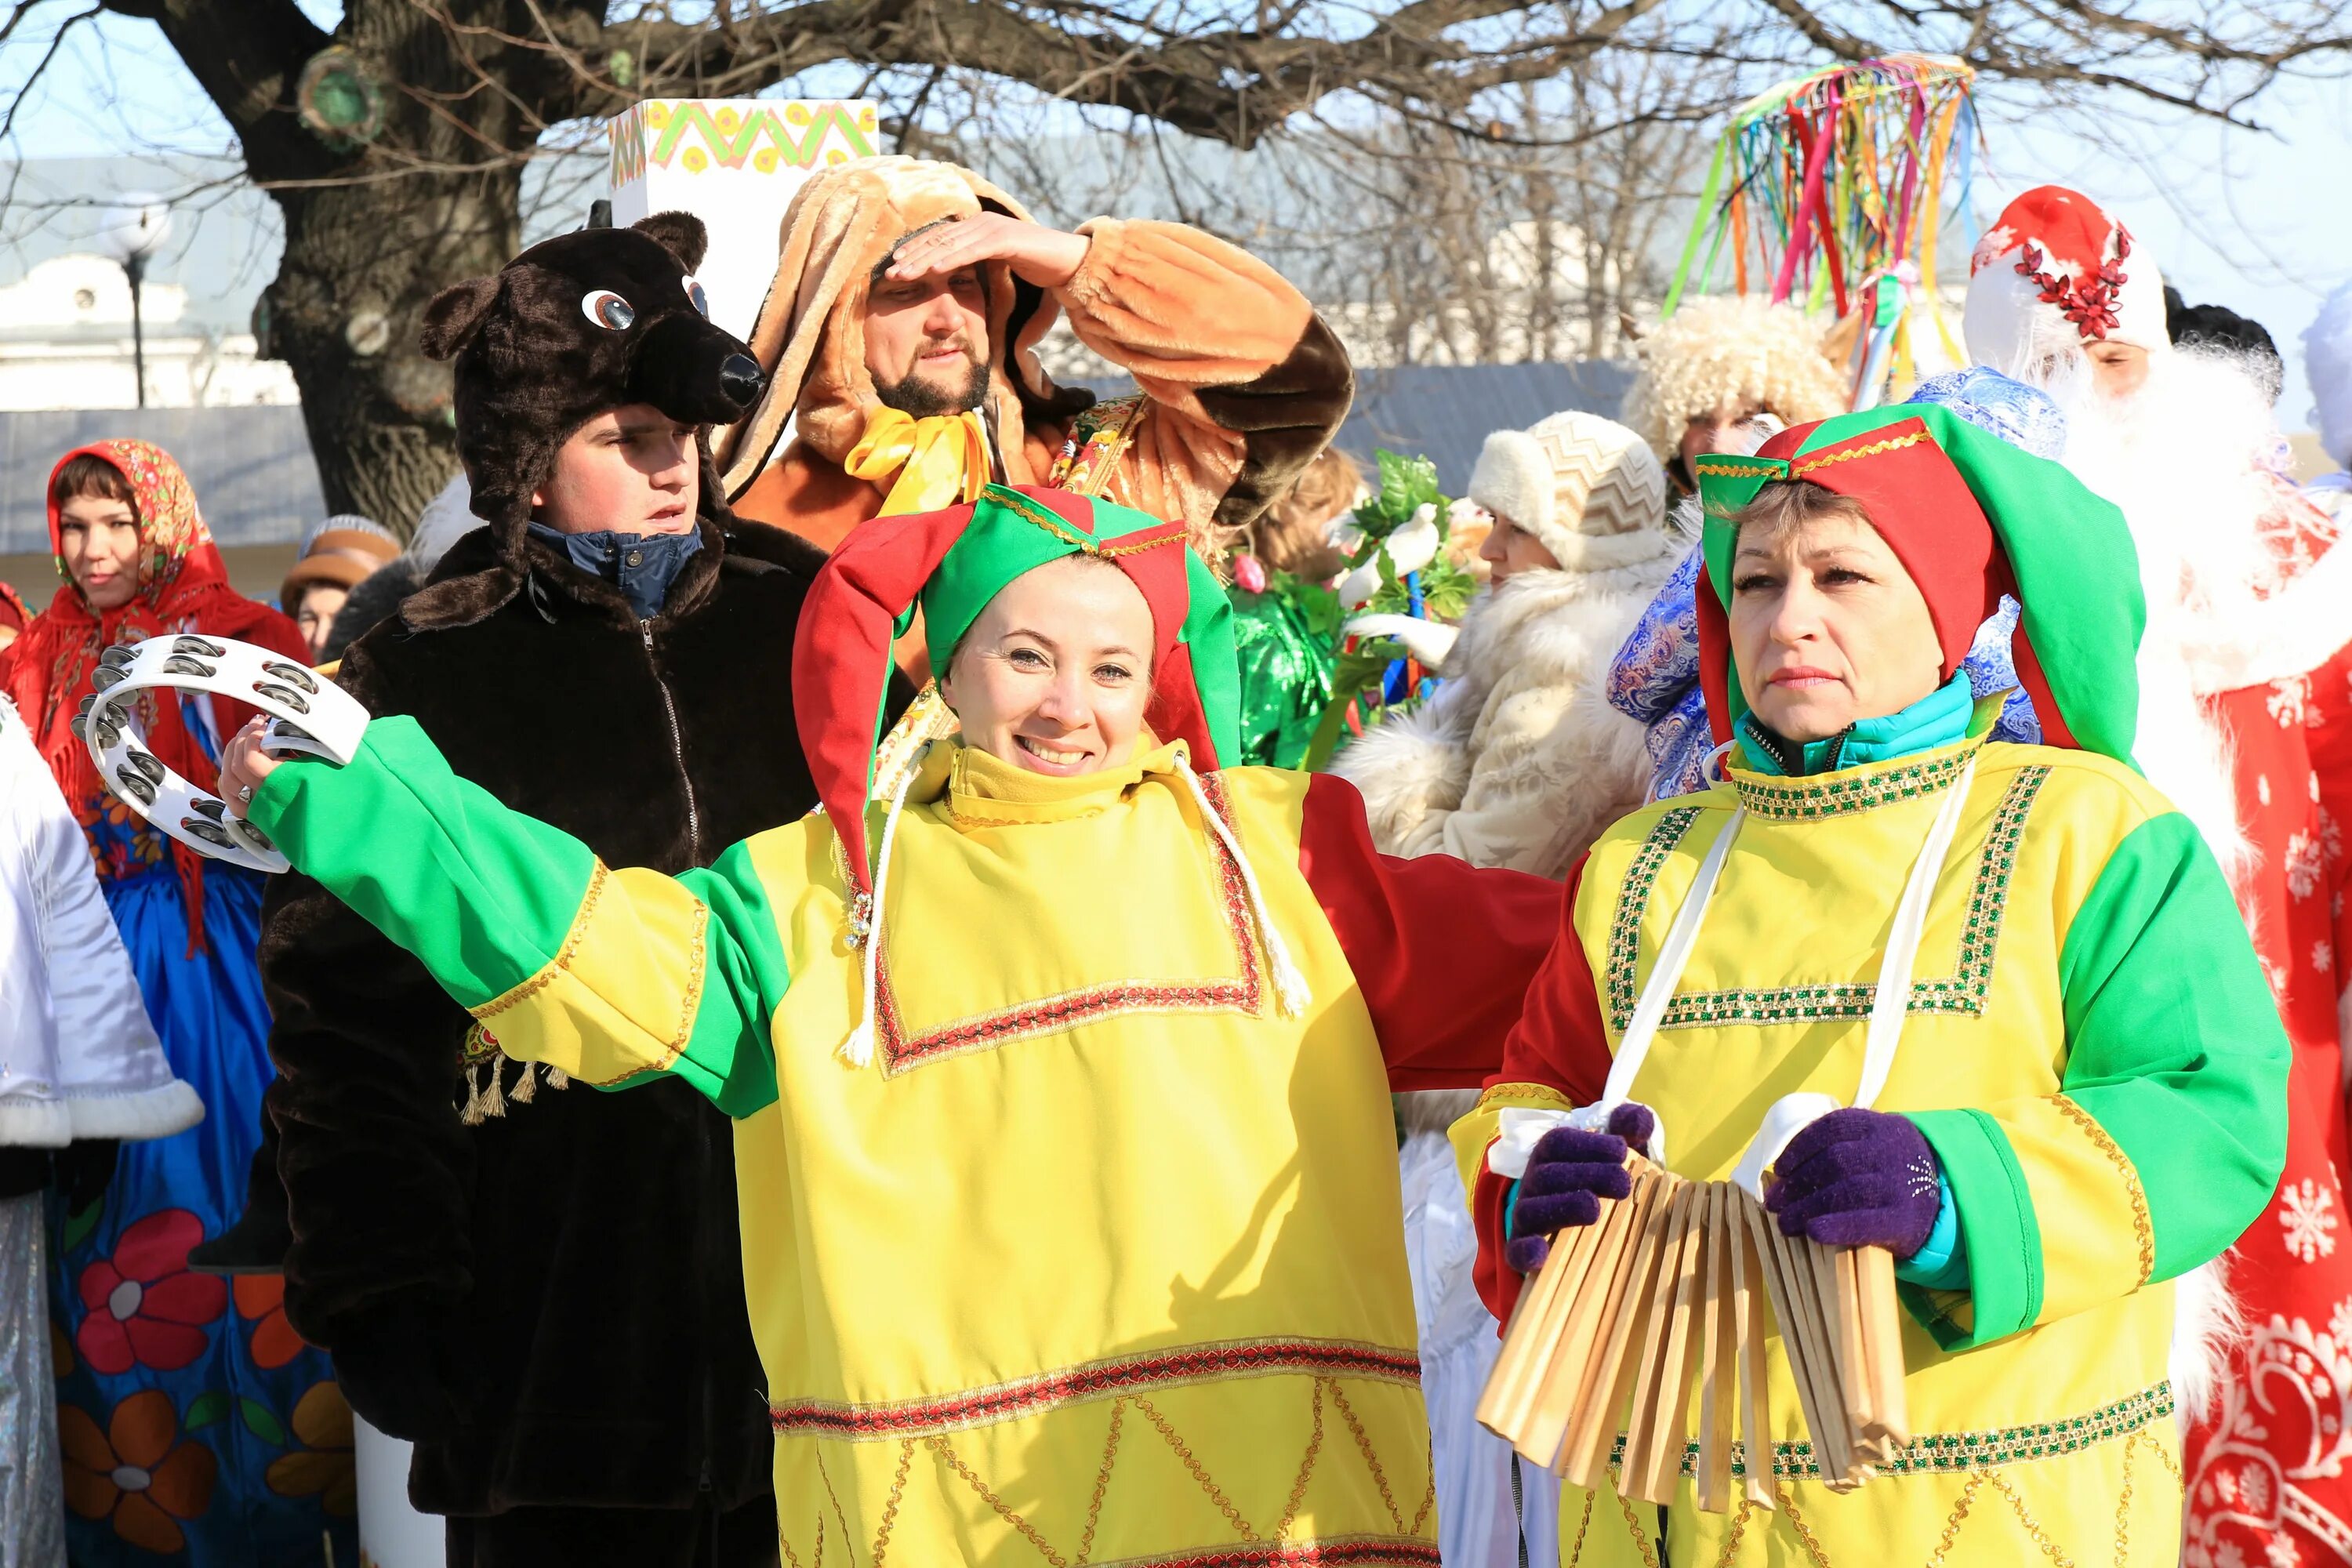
(951, 564)
(2055, 271)
(1723, 352)
(1585, 487)
(1971, 517)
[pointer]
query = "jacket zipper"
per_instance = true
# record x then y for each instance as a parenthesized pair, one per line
(676, 749)
(705, 1482)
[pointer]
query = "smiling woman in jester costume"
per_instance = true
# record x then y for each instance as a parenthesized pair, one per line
(1069, 1171)
(2075, 1092)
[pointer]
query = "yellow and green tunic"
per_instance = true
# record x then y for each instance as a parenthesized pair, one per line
(2091, 1049)
(1099, 1260)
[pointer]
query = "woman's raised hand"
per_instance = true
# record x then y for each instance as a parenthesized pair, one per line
(1568, 1175)
(244, 765)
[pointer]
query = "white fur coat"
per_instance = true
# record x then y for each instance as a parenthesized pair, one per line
(1519, 761)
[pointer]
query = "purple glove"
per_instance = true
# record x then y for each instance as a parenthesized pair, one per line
(1568, 1175)
(1858, 1178)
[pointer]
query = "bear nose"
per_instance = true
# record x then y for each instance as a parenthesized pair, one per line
(739, 380)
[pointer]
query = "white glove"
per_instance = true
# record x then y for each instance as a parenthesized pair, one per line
(1428, 641)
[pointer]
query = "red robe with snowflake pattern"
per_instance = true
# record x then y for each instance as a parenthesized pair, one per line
(2268, 1468)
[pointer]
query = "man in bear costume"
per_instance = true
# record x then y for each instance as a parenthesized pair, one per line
(900, 337)
(538, 1283)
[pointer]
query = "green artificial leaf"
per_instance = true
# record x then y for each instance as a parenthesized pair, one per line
(1445, 589)
(210, 1406)
(261, 1423)
(1317, 607)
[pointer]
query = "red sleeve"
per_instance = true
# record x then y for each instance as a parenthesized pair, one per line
(1443, 951)
(1560, 1044)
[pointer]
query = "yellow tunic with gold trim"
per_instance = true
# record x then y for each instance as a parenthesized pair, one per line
(1099, 1260)
(2091, 1051)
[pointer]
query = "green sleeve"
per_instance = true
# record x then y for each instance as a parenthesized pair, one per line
(611, 975)
(2169, 1131)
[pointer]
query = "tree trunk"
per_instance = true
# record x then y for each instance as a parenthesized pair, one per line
(362, 262)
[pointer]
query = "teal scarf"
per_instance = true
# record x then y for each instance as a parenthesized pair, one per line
(1938, 719)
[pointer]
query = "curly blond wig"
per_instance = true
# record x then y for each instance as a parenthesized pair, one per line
(1723, 351)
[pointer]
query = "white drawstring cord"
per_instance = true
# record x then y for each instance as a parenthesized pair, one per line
(858, 1050)
(1291, 992)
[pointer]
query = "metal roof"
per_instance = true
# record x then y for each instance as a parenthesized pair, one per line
(1445, 412)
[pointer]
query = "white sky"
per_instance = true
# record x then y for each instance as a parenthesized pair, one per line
(2259, 223)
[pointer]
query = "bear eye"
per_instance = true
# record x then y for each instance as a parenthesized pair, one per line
(607, 309)
(694, 292)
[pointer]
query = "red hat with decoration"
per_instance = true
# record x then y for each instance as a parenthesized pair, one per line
(2055, 272)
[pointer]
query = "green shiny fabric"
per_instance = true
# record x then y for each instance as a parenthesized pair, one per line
(1286, 669)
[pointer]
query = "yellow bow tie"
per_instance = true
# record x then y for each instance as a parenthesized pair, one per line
(939, 461)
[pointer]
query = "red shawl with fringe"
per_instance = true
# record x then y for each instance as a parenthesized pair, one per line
(183, 587)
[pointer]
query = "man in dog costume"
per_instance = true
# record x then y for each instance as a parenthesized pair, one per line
(1069, 1171)
(900, 336)
(2089, 1094)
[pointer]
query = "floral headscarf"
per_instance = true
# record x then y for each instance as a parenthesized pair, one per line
(183, 587)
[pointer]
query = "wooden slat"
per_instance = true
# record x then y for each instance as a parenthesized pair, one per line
(1748, 1298)
(1584, 1457)
(1883, 1329)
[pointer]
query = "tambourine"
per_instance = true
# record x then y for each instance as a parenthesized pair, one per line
(307, 714)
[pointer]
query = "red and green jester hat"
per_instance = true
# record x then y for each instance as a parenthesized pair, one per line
(1972, 518)
(950, 564)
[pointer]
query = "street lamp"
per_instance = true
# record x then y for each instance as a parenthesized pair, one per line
(130, 231)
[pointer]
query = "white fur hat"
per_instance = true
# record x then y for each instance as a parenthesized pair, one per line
(1587, 488)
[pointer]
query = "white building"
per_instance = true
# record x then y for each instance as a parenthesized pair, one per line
(65, 343)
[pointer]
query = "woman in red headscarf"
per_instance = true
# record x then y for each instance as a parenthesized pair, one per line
(150, 1338)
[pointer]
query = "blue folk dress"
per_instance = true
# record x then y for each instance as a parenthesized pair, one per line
(197, 1428)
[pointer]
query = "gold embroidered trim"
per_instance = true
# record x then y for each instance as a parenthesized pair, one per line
(1799, 800)
(2034, 1530)
(1805, 1536)
(1960, 1453)
(1892, 444)
(1723, 470)
(1966, 991)
(696, 963)
(1641, 1537)
(1516, 1091)
(562, 959)
(1030, 511)
(1118, 998)
(2142, 1231)
(1111, 1377)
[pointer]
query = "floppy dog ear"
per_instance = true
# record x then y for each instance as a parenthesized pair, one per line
(455, 314)
(681, 234)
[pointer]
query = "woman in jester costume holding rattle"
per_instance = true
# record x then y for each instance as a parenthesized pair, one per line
(1061, 1076)
(2088, 1098)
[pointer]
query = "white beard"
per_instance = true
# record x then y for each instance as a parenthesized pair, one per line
(2179, 458)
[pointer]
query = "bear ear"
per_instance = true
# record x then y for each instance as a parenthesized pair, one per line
(681, 234)
(455, 314)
